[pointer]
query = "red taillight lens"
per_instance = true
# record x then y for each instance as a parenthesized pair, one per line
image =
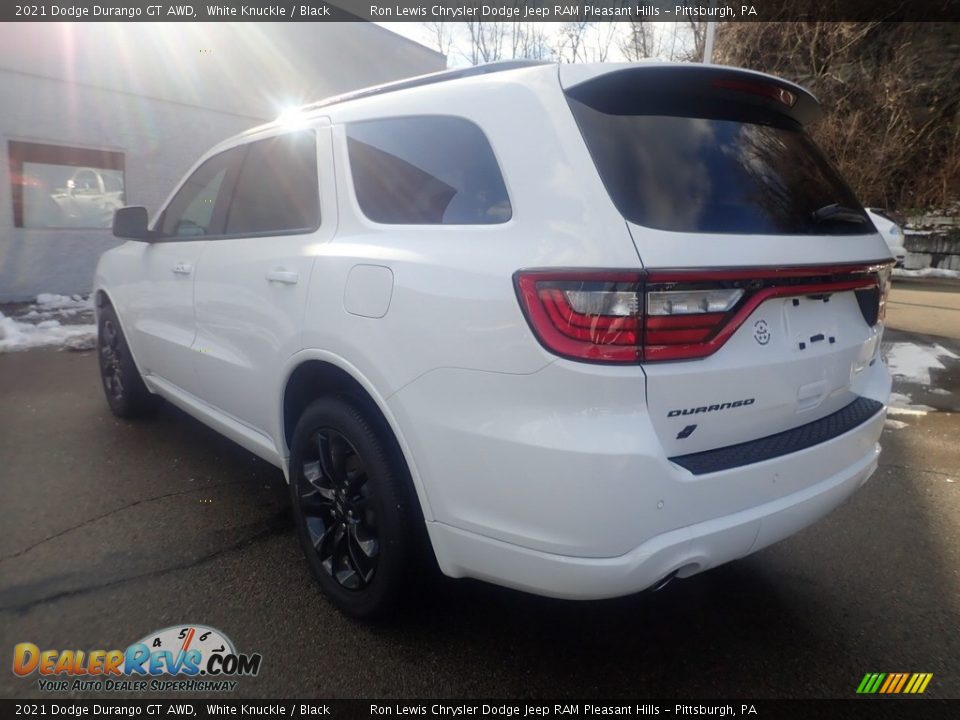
(763, 89)
(623, 317)
(584, 316)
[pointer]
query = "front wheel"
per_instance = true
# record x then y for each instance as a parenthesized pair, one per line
(126, 394)
(353, 514)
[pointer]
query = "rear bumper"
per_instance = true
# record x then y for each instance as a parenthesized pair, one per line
(556, 482)
(685, 551)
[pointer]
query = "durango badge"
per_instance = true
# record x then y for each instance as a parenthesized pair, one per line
(711, 408)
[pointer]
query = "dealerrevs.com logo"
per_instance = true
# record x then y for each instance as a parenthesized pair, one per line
(181, 658)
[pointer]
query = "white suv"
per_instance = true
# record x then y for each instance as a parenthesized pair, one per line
(574, 329)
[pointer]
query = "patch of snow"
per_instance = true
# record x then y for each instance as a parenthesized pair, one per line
(914, 362)
(901, 404)
(51, 306)
(52, 301)
(927, 273)
(895, 424)
(17, 335)
(82, 342)
(940, 391)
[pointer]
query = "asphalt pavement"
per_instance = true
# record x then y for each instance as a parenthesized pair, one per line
(925, 305)
(112, 529)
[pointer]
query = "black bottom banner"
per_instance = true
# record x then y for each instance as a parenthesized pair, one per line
(927, 709)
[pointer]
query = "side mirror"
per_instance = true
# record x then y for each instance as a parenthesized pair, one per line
(131, 223)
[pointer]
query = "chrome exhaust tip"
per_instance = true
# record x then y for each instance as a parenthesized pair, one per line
(663, 582)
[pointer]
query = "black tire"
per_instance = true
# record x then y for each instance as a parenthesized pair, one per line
(123, 387)
(354, 508)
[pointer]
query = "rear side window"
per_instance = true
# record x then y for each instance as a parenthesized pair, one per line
(716, 169)
(430, 170)
(277, 189)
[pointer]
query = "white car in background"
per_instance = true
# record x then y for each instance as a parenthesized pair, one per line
(891, 233)
(575, 329)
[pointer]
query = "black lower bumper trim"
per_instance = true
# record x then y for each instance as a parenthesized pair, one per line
(783, 443)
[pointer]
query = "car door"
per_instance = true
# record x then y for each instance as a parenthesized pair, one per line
(252, 285)
(162, 306)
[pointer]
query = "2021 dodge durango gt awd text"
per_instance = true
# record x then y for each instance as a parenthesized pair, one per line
(570, 329)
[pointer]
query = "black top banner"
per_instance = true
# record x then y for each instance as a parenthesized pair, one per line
(486, 11)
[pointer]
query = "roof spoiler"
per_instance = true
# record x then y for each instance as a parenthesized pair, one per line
(629, 89)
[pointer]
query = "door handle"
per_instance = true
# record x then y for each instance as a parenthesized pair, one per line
(283, 276)
(182, 268)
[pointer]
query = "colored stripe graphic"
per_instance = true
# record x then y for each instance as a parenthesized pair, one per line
(900, 684)
(894, 683)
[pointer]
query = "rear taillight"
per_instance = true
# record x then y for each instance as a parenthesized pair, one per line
(584, 315)
(628, 317)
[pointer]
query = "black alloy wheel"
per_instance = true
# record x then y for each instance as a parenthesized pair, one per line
(110, 354)
(123, 387)
(354, 506)
(337, 509)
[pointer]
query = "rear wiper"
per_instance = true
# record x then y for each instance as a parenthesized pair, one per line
(839, 212)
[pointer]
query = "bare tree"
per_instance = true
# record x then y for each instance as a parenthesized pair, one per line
(639, 41)
(570, 42)
(529, 40)
(481, 42)
(604, 33)
(441, 36)
(698, 31)
(486, 41)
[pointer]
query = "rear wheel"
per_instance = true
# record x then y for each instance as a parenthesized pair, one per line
(125, 391)
(353, 515)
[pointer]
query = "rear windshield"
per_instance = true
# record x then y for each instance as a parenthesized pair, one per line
(724, 172)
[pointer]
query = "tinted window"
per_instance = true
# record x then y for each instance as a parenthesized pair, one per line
(277, 188)
(426, 170)
(724, 172)
(199, 206)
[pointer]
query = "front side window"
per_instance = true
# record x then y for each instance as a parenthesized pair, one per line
(264, 187)
(429, 170)
(199, 207)
(277, 190)
(63, 187)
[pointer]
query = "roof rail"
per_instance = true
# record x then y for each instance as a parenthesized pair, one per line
(421, 80)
